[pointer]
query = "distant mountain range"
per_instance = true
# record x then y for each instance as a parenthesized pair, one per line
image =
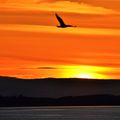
(57, 88)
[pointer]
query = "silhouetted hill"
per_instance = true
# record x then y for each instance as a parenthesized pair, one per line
(57, 88)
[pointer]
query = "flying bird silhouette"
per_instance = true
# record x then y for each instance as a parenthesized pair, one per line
(62, 24)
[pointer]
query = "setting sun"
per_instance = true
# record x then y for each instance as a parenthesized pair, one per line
(91, 76)
(84, 71)
(84, 75)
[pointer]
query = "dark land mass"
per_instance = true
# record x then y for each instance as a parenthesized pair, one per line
(92, 100)
(58, 92)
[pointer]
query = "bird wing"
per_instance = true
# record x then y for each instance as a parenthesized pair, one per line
(60, 20)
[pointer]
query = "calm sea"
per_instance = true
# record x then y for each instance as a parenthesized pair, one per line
(60, 113)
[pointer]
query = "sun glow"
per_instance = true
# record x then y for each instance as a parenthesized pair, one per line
(84, 71)
(91, 75)
(84, 75)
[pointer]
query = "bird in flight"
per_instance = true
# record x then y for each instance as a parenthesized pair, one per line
(62, 24)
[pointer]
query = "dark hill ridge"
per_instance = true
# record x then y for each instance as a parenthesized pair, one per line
(56, 88)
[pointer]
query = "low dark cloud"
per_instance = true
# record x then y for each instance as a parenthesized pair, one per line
(47, 68)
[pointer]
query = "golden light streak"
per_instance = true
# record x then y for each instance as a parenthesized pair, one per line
(77, 30)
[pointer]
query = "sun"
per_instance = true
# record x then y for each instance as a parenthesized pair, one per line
(84, 75)
(84, 71)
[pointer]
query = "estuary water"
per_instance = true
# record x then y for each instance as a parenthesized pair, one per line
(60, 113)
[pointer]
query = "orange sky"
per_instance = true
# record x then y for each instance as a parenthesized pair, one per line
(32, 46)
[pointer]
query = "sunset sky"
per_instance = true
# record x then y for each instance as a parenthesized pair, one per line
(31, 46)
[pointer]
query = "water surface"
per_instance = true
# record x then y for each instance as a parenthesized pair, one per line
(60, 113)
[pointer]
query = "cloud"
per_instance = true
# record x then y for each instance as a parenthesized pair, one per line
(19, 1)
(58, 6)
(38, 1)
(112, 4)
(75, 7)
(33, 1)
(40, 68)
(46, 68)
